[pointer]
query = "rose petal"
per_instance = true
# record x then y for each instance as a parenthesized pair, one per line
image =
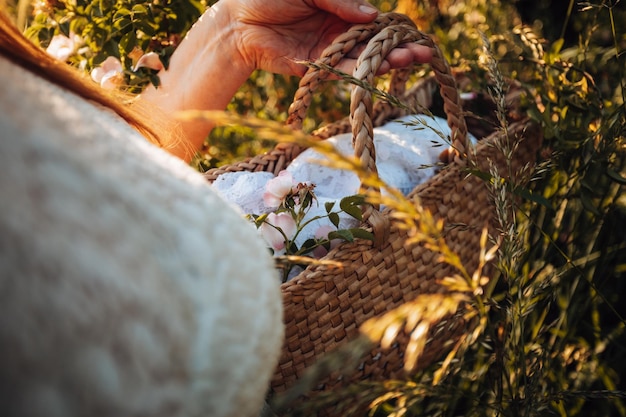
(136, 53)
(109, 73)
(150, 60)
(286, 223)
(271, 201)
(111, 80)
(274, 237)
(97, 74)
(322, 233)
(277, 189)
(112, 64)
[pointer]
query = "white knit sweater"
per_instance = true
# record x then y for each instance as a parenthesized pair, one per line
(127, 287)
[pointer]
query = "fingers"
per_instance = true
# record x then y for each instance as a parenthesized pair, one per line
(347, 66)
(349, 10)
(402, 56)
(408, 54)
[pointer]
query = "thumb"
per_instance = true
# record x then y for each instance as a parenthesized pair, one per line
(351, 11)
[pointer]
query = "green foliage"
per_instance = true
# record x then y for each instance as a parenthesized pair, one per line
(296, 201)
(124, 29)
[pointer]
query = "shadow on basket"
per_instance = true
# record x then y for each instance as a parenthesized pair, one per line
(326, 308)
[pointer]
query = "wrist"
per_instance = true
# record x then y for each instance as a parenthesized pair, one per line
(204, 73)
(216, 39)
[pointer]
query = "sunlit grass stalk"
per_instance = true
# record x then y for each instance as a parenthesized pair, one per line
(514, 380)
(617, 51)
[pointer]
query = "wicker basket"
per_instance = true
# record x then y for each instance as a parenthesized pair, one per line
(325, 305)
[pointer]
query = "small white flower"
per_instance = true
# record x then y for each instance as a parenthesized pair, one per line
(62, 47)
(109, 73)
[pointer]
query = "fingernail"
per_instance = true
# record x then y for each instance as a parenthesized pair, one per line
(367, 9)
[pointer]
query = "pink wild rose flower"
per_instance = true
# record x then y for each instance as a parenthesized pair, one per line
(108, 74)
(62, 47)
(274, 237)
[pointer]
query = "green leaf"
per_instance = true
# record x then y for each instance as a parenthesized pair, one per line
(145, 27)
(329, 206)
(350, 234)
(306, 199)
(140, 8)
(362, 233)
(557, 45)
(334, 218)
(121, 13)
(122, 24)
(527, 194)
(165, 56)
(485, 176)
(154, 79)
(259, 220)
(293, 248)
(351, 205)
(343, 234)
(308, 245)
(128, 42)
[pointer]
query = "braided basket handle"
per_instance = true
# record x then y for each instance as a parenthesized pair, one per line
(384, 34)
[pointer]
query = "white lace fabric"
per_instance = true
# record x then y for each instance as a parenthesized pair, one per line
(407, 150)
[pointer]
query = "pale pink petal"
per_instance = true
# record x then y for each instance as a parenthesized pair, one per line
(280, 185)
(150, 60)
(271, 201)
(277, 189)
(112, 64)
(322, 233)
(111, 80)
(97, 74)
(109, 73)
(286, 223)
(274, 237)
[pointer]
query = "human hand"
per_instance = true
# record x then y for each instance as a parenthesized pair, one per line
(275, 35)
(235, 37)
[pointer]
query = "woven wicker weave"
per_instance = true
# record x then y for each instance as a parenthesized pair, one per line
(325, 305)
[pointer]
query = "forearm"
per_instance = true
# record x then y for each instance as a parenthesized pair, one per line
(204, 73)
